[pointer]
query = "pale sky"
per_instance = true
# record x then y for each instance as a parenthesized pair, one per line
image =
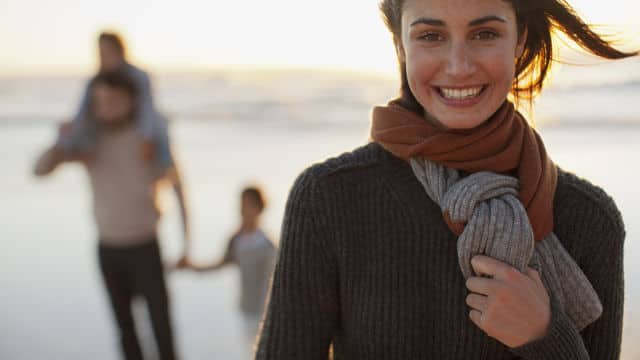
(43, 36)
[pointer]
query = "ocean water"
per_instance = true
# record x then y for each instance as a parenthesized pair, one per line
(230, 131)
(576, 95)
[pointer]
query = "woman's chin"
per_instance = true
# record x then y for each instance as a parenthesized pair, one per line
(465, 124)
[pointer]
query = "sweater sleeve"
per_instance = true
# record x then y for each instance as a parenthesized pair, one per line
(602, 262)
(562, 341)
(302, 312)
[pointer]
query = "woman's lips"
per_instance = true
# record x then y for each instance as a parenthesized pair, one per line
(461, 96)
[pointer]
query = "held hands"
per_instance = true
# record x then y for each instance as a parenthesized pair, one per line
(185, 263)
(510, 306)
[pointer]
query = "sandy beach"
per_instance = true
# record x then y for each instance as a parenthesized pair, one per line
(227, 133)
(54, 305)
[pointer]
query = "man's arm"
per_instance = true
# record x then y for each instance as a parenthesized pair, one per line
(56, 155)
(48, 161)
(175, 178)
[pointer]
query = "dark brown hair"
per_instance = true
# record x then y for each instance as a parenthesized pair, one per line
(541, 18)
(255, 194)
(116, 80)
(114, 40)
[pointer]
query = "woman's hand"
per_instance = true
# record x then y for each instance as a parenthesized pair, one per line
(510, 306)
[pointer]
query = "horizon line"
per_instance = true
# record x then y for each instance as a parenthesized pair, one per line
(7, 72)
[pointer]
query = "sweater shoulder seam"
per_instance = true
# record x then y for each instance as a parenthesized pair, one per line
(360, 158)
(597, 197)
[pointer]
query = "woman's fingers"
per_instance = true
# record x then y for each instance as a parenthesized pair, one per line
(535, 276)
(480, 285)
(477, 302)
(512, 306)
(476, 317)
(484, 265)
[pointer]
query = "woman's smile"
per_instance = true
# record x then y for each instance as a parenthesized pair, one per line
(460, 57)
(460, 96)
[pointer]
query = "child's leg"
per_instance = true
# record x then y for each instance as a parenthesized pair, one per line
(163, 151)
(82, 133)
(251, 326)
(155, 131)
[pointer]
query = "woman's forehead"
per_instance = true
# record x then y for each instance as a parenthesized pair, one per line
(456, 11)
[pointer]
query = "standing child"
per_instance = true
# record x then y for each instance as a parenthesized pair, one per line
(125, 187)
(254, 254)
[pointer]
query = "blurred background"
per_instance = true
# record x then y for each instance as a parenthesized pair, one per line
(256, 92)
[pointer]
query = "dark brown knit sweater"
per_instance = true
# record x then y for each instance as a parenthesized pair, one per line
(368, 266)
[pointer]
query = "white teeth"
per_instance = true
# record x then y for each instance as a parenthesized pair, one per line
(460, 94)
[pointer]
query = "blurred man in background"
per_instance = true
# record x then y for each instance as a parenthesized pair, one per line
(150, 123)
(125, 187)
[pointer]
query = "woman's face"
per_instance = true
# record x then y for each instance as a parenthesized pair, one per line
(110, 57)
(460, 57)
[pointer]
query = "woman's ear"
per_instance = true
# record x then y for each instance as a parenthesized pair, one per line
(522, 40)
(400, 50)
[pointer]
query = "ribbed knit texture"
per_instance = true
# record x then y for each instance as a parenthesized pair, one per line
(368, 265)
(505, 143)
(496, 224)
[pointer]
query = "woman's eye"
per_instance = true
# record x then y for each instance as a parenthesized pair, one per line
(485, 35)
(432, 36)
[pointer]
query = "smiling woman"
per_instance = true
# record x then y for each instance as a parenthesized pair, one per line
(455, 208)
(460, 70)
(508, 48)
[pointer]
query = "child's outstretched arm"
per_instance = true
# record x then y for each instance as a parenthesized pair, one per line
(226, 259)
(152, 123)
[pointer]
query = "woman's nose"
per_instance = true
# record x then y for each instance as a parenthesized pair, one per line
(460, 62)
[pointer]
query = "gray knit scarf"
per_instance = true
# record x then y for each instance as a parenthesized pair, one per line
(497, 226)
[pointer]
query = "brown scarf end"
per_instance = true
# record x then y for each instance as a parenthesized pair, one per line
(455, 226)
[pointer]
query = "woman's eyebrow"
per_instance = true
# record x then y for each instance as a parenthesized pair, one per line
(476, 22)
(428, 21)
(486, 19)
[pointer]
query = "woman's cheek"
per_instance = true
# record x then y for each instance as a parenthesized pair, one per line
(420, 71)
(500, 67)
